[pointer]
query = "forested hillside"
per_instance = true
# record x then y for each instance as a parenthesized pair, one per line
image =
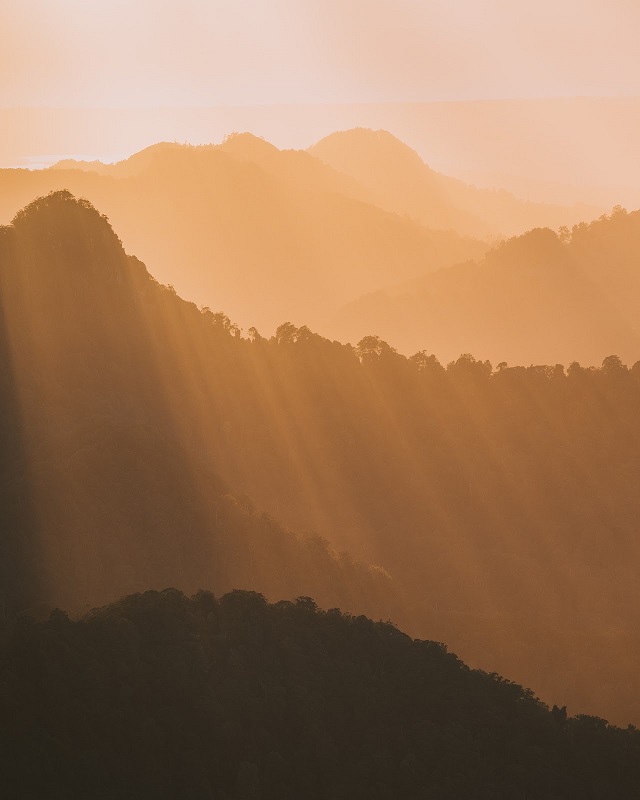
(159, 696)
(106, 486)
(319, 400)
(499, 504)
(542, 297)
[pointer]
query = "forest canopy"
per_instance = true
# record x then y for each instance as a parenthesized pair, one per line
(160, 696)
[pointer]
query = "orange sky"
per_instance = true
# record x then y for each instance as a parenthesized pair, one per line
(146, 53)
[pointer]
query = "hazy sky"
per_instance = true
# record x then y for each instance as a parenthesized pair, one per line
(144, 53)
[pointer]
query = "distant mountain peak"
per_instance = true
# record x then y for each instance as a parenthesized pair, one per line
(401, 182)
(249, 146)
(369, 143)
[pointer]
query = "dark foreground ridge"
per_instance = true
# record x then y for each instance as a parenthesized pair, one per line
(161, 696)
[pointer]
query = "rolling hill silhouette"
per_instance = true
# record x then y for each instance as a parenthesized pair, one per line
(555, 150)
(161, 696)
(400, 181)
(535, 298)
(264, 235)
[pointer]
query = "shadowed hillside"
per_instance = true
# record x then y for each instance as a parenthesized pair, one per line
(19, 585)
(158, 696)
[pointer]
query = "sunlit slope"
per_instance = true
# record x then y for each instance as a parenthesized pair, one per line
(400, 181)
(106, 485)
(264, 235)
(536, 298)
(500, 501)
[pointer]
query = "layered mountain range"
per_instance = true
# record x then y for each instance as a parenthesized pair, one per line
(147, 443)
(542, 296)
(267, 235)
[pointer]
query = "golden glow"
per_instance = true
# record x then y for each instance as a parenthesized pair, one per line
(108, 53)
(357, 234)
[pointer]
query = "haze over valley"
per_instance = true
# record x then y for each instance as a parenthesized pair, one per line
(319, 400)
(269, 236)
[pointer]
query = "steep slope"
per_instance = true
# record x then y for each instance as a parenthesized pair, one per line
(400, 181)
(538, 298)
(104, 485)
(262, 234)
(159, 696)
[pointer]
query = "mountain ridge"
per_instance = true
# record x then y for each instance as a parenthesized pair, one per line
(232, 232)
(402, 182)
(540, 297)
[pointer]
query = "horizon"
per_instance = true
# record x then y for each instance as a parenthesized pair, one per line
(536, 148)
